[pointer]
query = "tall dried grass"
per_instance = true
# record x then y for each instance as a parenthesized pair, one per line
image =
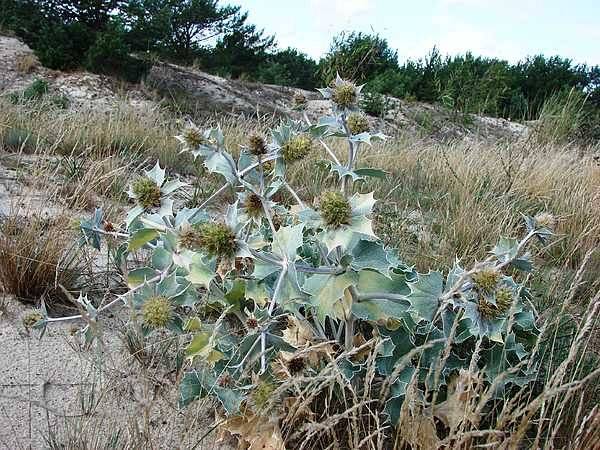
(37, 256)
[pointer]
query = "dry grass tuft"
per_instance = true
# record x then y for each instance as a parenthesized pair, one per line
(36, 258)
(26, 63)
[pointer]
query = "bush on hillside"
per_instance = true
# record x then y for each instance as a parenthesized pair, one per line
(296, 314)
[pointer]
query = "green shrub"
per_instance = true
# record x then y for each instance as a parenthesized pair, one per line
(317, 318)
(374, 103)
(109, 54)
(63, 46)
(36, 90)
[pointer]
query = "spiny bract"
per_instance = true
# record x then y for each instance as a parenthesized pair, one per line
(257, 145)
(157, 312)
(146, 192)
(217, 239)
(358, 123)
(335, 209)
(486, 279)
(296, 148)
(345, 94)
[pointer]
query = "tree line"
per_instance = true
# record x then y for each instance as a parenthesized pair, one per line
(102, 36)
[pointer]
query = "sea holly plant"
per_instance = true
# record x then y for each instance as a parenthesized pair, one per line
(264, 292)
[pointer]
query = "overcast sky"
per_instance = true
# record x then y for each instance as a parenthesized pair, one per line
(509, 29)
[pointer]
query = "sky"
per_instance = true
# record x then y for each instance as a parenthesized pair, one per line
(508, 29)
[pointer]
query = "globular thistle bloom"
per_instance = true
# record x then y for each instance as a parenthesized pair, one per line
(296, 148)
(31, 319)
(251, 323)
(296, 365)
(504, 300)
(345, 94)
(192, 136)
(257, 145)
(357, 123)
(253, 205)
(217, 239)
(146, 192)
(157, 312)
(335, 209)
(189, 238)
(486, 279)
(545, 220)
(268, 166)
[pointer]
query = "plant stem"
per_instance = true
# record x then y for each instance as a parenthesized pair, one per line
(335, 160)
(332, 270)
(119, 298)
(380, 296)
(349, 333)
(294, 194)
(263, 334)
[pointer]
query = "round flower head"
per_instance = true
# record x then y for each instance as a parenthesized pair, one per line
(108, 226)
(503, 303)
(299, 99)
(296, 365)
(504, 299)
(486, 279)
(257, 145)
(217, 239)
(267, 166)
(296, 148)
(357, 123)
(189, 238)
(157, 312)
(31, 319)
(253, 205)
(251, 323)
(345, 94)
(335, 209)
(192, 136)
(545, 220)
(146, 192)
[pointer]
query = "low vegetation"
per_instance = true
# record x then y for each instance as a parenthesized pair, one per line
(307, 312)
